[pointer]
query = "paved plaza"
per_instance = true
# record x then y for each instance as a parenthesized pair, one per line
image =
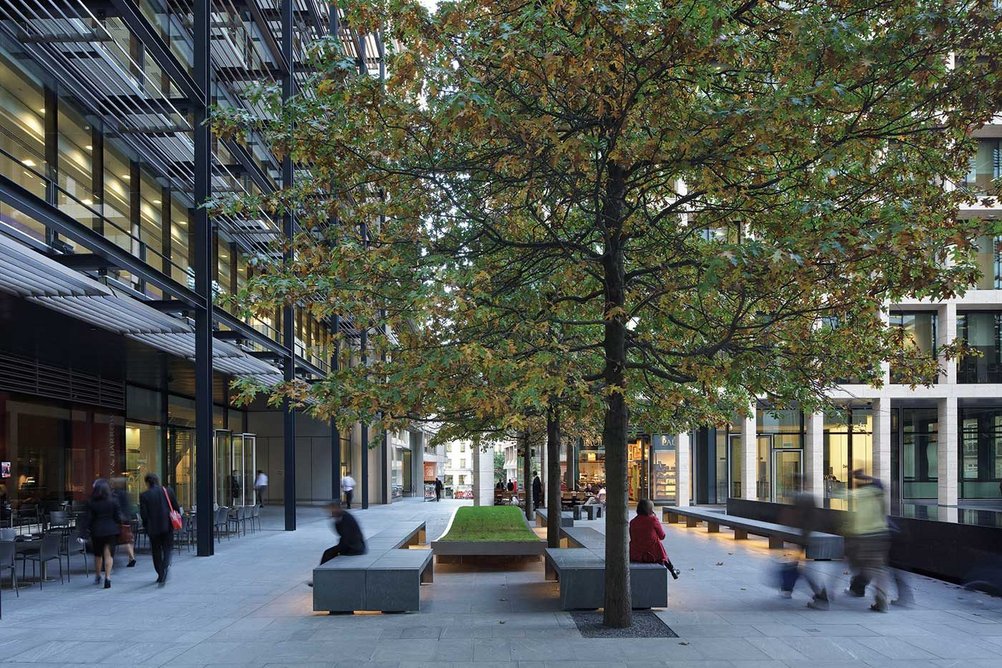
(249, 606)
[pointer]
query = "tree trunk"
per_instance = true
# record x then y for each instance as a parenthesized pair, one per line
(618, 612)
(570, 465)
(553, 477)
(526, 476)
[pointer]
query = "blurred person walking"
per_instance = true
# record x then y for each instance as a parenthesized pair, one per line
(537, 491)
(102, 524)
(125, 538)
(646, 534)
(867, 536)
(155, 507)
(804, 516)
(260, 485)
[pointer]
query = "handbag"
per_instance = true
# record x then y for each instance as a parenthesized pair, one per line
(175, 517)
(125, 535)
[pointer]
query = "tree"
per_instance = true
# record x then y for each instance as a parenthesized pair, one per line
(692, 204)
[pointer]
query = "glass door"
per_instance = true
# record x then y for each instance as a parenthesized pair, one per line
(735, 457)
(222, 444)
(181, 451)
(787, 473)
(763, 487)
(246, 464)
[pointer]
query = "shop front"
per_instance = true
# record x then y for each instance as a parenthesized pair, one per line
(651, 468)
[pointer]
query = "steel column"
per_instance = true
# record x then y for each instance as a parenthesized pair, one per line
(364, 482)
(335, 432)
(204, 450)
(288, 313)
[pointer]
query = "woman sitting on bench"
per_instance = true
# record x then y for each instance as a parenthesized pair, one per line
(646, 534)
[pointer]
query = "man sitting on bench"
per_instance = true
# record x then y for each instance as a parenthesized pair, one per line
(347, 528)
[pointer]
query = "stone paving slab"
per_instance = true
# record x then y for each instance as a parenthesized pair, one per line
(248, 606)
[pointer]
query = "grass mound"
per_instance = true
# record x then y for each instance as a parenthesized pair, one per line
(490, 523)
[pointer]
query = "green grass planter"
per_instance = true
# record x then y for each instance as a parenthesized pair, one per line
(487, 531)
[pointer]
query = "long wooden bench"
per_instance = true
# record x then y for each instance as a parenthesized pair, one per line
(386, 578)
(580, 569)
(822, 546)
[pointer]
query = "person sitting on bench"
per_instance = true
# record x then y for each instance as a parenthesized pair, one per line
(347, 528)
(646, 534)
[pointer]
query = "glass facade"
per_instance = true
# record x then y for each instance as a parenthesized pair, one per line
(848, 446)
(780, 443)
(982, 332)
(917, 332)
(986, 167)
(915, 452)
(989, 261)
(980, 453)
(54, 451)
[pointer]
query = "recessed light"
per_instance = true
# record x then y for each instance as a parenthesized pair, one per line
(28, 162)
(89, 147)
(156, 201)
(125, 176)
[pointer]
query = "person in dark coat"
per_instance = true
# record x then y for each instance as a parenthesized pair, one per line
(125, 538)
(351, 540)
(646, 534)
(155, 505)
(537, 490)
(438, 489)
(102, 522)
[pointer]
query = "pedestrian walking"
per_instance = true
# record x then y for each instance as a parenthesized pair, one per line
(125, 538)
(868, 536)
(260, 486)
(348, 486)
(537, 491)
(350, 539)
(804, 516)
(102, 523)
(155, 507)
(646, 534)
(438, 489)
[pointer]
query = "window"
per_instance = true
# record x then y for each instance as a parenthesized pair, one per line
(980, 452)
(982, 332)
(22, 141)
(986, 166)
(989, 262)
(917, 335)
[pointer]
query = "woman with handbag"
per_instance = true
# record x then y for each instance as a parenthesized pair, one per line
(102, 524)
(125, 538)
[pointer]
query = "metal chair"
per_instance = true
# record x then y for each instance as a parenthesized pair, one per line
(256, 518)
(47, 551)
(221, 523)
(69, 546)
(59, 519)
(7, 551)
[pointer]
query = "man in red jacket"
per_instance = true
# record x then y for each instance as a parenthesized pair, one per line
(646, 534)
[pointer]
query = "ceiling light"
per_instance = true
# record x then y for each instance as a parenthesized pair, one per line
(89, 147)
(28, 162)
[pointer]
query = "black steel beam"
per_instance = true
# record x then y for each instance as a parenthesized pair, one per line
(364, 343)
(249, 165)
(82, 261)
(229, 335)
(288, 316)
(335, 432)
(204, 451)
(193, 87)
(266, 33)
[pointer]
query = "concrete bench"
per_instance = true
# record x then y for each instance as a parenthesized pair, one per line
(593, 512)
(580, 571)
(566, 518)
(387, 578)
(822, 546)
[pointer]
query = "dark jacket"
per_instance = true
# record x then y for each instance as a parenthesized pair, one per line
(154, 510)
(352, 541)
(537, 487)
(101, 518)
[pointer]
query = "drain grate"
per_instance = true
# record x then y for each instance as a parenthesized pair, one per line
(646, 624)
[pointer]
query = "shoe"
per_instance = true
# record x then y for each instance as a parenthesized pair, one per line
(161, 584)
(675, 572)
(107, 584)
(309, 583)
(97, 579)
(853, 592)
(786, 594)
(131, 564)
(819, 602)
(879, 606)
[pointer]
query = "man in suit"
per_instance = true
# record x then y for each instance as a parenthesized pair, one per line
(155, 505)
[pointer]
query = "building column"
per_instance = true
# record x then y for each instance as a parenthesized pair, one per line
(288, 316)
(749, 462)
(202, 250)
(814, 455)
(946, 332)
(683, 468)
(882, 444)
(947, 453)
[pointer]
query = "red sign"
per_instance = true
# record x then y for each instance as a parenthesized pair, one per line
(429, 470)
